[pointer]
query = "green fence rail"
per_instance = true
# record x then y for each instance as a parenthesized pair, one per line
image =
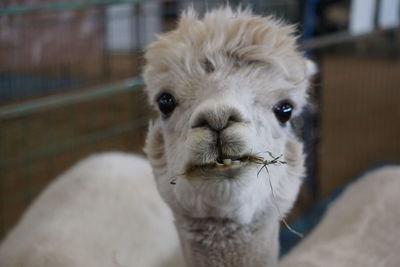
(54, 149)
(60, 100)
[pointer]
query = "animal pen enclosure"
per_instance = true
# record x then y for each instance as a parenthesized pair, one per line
(70, 87)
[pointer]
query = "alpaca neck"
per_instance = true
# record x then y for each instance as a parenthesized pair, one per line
(219, 242)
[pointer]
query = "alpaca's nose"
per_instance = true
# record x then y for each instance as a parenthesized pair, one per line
(216, 118)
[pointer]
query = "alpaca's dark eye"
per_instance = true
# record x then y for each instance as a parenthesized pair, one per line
(166, 104)
(283, 111)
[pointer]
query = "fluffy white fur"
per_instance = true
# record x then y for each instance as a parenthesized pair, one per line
(256, 64)
(103, 212)
(360, 229)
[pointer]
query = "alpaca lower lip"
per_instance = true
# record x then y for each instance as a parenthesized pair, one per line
(215, 170)
(223, 164)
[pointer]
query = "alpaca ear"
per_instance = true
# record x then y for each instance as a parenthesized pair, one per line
(311, 68)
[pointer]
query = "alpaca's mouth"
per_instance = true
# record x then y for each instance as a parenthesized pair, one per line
(227, 163)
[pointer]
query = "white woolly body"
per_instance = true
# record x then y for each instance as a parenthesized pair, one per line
(360, 229)
(103, 212)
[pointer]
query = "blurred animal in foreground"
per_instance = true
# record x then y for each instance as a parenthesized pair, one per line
(361, 228)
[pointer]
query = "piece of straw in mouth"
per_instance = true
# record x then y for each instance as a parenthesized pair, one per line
(276, 161)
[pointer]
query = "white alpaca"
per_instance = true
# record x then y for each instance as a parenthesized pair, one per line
(103, 212)
(227, 86)
(360, 229)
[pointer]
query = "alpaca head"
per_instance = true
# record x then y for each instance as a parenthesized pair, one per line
(226, 87)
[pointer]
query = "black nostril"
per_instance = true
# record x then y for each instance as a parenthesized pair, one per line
(233, 118)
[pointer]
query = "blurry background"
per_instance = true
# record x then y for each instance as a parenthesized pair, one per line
(70, 86)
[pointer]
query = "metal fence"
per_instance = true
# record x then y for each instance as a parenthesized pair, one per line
(41, 138)
(69, 87)
(66, 91)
